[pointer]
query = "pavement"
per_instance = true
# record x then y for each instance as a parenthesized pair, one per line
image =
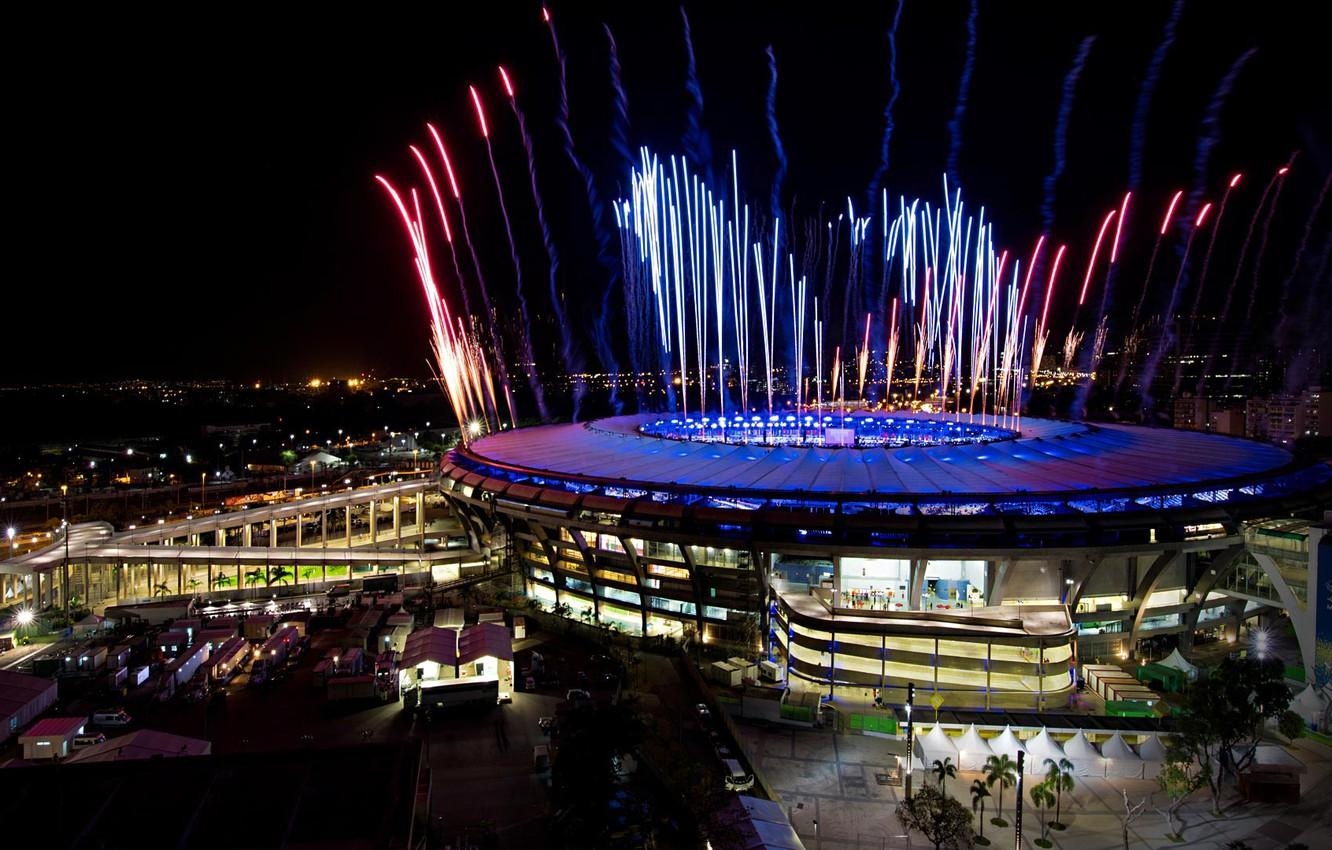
(834, 779)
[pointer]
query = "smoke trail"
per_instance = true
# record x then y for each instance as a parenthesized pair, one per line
(1284, 321)
(959, 110)
(1314, 338)
(604, 253)
(888, 125)
(1209, 131)
(619, 129)
(1234, 280)
(1061, 131)
(1166, 339)
(1145, 95)
(696, 141)
(1257, 269)
(775, 205)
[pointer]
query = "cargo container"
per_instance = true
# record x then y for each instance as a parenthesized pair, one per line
(445, 693)
(117, 678)
(228, 658)
(138, 675)
(258, 626)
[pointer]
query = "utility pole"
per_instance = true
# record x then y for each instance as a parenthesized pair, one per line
(1017, 813)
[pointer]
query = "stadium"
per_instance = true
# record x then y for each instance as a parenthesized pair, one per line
(985, 556)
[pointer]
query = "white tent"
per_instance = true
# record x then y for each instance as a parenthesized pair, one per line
(1040, 748)
(1086, 760)
(1153, 755)
(934, 745)
(1310, 705)
(972, 750)
(1007, 743)
(1179, 662)
(1120, 760)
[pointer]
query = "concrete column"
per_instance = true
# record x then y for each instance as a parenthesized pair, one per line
(299, 529)
(323, 527)
(272, 531)
(420, 516)
(247, 535)
(374, 520)
(194, 539)
(347, 527)
(917, 583)
(397, 518)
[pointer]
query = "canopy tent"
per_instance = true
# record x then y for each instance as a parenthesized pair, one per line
(935, 745)
(1086, 760)
(1179, 662)
(1120, 760)
(972, 750)
(1039, 748)
(1310, 705)
(1153, 754)
(1007, 743)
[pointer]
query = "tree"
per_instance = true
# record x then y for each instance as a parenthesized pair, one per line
(1178, 780)
(159, 589)
(1043, 796)
(222, 580)
(944, 770)
(1059, 776)
(1224, 713)
(279, 575)
(1002, 770)
(979, 793)
(1131, 813)
(534, 604)
(308, 573)
(942, 820)
(258, 575)
(192, 584)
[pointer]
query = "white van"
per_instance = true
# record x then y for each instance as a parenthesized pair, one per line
(736, 778)
(111, 717)
(81, 741)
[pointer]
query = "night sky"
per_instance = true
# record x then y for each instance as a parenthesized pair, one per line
(195, 196)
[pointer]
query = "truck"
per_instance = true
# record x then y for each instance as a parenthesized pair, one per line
(272, 656)
(448, 693)
(351, 687)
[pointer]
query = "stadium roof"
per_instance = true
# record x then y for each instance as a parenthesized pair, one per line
(1048, 457)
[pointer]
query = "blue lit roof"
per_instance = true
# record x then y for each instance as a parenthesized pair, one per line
(1049, 457)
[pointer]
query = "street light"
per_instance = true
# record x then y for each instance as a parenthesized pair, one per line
(10, 532)
(64, 569)
(911, 742)
(203, 489)
(312, 472)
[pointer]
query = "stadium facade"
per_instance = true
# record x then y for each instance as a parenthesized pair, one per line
(992, 562)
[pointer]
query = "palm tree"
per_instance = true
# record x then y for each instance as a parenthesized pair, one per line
(161, 589)
(258, 575)
(192, 584)
(1059, 776)
(222, 580)
(979, 791)
(308, 573)
(944, 770)
(562, 609)
(1002, 770)
(1043, 797)
(279, 575)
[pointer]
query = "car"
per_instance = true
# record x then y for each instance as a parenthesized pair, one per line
(545, 723)
(723, 752)
(701, 709)
(576, 694)
(81, 741)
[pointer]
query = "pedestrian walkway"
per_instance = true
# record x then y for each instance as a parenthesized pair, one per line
(837, 780)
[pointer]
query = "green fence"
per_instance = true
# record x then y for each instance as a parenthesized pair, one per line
(800, 713)
(885, 723)
(1128, 708)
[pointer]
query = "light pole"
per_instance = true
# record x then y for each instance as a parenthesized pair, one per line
(312, 472)
(911, 741)
(64, 569)
(10, 532)
(203, 490)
